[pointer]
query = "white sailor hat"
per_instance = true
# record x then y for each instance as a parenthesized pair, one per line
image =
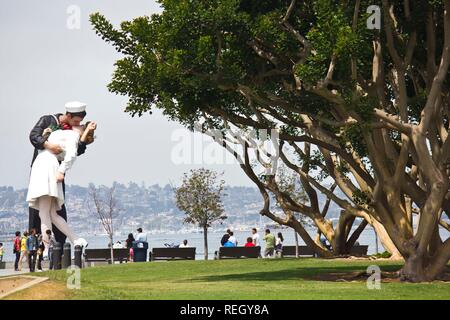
(75, 106)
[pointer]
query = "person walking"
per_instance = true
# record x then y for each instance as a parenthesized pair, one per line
(255, 237)
(279, 245)
(23, 250)
(270, 244)
(32, 246)
(40, 252)
(51, 243)
(1, 252)
(129, 243)
(16, 250)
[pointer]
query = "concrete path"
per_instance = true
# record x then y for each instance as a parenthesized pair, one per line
(11, 272)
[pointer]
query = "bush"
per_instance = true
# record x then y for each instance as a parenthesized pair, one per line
(382, 255)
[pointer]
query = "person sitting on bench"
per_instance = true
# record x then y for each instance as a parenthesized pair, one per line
(229, 244)
(184, 244)
(249, 242)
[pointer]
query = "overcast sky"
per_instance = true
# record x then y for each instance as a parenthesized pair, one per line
(44, 64)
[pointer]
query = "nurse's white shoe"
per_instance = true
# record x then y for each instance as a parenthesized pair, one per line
(80, 242)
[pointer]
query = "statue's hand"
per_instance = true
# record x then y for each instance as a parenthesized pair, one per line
(60, 177)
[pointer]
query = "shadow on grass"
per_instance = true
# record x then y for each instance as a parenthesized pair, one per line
(288, 274)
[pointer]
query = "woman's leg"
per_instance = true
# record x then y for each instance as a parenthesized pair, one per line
(45, 206)
(61, 224)
(19, 263)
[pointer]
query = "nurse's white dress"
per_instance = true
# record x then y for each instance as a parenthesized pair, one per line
(46, 166)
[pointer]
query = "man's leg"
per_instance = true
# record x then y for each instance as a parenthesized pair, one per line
(38, 260)
(16, 263)
(30, 260)
(34, 222)
(33, 260)
(50, 258)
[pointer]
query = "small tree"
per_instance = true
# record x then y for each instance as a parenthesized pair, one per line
(200, 198)
(106, 207)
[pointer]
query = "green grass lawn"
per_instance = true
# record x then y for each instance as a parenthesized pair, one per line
(240, 279)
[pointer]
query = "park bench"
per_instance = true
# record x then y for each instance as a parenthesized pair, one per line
(172, 254)
(104, 255)
(359, 250)
(289, 251)
(238, 252)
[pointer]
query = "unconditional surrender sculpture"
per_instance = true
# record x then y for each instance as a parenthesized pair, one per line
(58, 140)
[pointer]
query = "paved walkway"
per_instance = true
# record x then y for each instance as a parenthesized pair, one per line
(11, 272)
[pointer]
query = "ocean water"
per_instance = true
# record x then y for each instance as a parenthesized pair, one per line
(367, 237)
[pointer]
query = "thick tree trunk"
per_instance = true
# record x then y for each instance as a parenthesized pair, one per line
(386, 240)
(351, 241)
(340, 236)
(321, 252)
(427, 256)
(413, 270)
(421, 266)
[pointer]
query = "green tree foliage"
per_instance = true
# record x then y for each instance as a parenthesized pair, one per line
(200, 197)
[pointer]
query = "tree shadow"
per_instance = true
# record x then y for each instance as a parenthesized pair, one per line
(298, 273)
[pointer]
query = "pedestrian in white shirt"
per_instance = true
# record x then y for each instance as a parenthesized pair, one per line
(232, 239)
(255, 237)
(184, 244)
(141, 236)
(117, 245)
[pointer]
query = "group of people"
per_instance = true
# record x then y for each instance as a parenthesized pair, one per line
(273, 245)
(183, 244)
(140, 237)
(32, 248)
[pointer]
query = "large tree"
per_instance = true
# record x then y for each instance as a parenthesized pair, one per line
(167, 76)
(370, 107)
